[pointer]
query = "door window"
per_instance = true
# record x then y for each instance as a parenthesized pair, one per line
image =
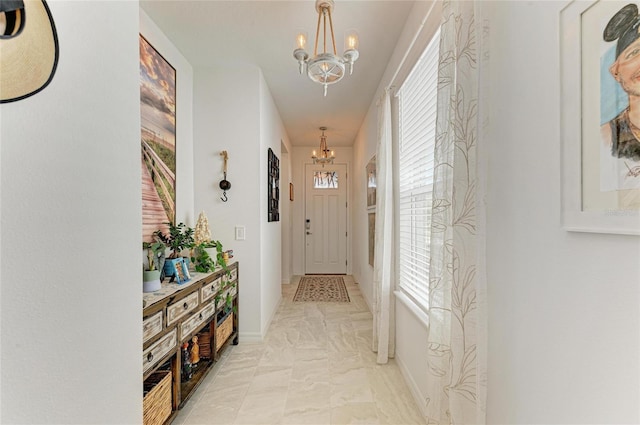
(325, 179)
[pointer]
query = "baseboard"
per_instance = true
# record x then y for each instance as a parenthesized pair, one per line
(267, 324)
(250, 337)
(413, 387)
(259, 336)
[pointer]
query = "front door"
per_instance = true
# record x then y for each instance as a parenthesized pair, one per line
(326, 219)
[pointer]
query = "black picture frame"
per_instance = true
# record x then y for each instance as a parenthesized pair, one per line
(273, 187)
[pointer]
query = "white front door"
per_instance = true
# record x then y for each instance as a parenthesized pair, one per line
(326, 219)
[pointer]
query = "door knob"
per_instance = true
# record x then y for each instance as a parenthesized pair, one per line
(309, 233)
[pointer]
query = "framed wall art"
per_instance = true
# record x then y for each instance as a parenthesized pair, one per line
(158, 140)
(371, 183)
(600, 142)
(273, 187)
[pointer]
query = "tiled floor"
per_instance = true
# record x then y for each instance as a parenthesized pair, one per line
(314, 367)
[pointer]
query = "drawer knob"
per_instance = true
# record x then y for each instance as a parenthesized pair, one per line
(200, 317)
(149, 357)
(213, 288)
(185, 306)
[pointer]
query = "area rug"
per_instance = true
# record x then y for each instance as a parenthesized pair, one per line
(322, 289)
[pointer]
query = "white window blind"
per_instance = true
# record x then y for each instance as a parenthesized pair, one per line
(417, 130)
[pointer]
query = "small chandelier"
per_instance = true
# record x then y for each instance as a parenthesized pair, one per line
(326, 155)
(326, 68)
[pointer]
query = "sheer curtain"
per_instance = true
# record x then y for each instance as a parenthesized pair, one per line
(456, 357)
(383, 307)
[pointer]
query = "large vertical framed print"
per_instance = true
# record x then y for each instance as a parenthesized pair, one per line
(158, 140)
(600, 81)
(273, 186)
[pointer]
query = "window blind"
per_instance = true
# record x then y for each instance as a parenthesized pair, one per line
(417, 102)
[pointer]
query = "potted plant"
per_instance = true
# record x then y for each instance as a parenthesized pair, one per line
(201, 257)
(180, 237)
(155, 262)
(206, 252)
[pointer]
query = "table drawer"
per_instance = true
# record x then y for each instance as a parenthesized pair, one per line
(196, 320)
(233, 277)
(181, 308)
(232, 291)
(151, 326)
(152, 355)
(210, 289)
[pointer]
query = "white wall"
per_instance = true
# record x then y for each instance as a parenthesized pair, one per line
(286, 218)
(411, 333)
(227, 117)
(301, 156)
(272, 135)
(184, 117)
(564, 311)
(234, 111)
(71, 214)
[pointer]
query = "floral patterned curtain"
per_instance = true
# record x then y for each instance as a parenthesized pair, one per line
(456, 391)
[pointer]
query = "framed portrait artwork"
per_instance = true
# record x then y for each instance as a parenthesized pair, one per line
(157, 140)
(177, 270)
(600, 148)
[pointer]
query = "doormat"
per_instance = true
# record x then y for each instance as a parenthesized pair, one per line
(322, 289)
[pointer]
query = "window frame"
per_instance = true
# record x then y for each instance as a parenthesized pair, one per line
(417, 301)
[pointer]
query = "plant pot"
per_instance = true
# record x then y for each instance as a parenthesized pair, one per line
(150, 280)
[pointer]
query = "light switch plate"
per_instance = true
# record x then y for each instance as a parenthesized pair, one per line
(240, 233)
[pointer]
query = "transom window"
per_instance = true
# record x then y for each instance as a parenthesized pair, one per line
(325, 179)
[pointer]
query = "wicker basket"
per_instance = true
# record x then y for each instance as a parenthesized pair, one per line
(157, 402)
(223, 331)
(204, 341)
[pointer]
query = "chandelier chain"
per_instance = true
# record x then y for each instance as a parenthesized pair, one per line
(333, 39)
(315, 48)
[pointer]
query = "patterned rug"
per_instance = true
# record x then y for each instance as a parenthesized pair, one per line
(322, 289)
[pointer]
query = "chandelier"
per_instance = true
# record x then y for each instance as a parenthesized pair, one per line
(326, 155)
(326, 68)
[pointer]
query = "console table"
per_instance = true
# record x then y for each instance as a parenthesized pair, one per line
(205, 306)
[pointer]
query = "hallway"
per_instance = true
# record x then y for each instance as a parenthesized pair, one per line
(314, 367)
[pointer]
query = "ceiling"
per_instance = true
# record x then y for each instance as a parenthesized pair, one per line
(262, 33)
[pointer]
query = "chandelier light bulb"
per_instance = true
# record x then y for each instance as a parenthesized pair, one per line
(301, 40)
(351, 40)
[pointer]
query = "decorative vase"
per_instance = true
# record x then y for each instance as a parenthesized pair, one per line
(168, 268)
(150, 280)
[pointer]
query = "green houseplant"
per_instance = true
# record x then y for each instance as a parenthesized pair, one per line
(203, 256)
(155, 262)
(180, 237)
